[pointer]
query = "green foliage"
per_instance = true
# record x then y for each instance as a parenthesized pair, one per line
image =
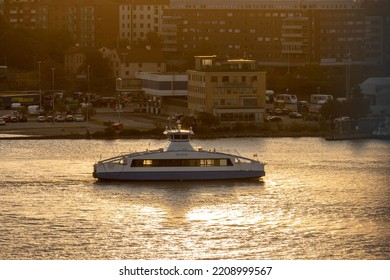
(88, 110)
(356, 107)
(24, 47)
(100, 77)
(152, 39)
(207, 119)
(332, 109)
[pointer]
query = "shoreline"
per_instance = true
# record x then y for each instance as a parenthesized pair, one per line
(101, 135)
(141, 126)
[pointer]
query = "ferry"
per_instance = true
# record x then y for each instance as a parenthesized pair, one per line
(180, 161)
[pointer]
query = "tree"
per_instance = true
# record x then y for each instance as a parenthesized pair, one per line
(332, 109)
(98, 68)
(356, 107)
(152, 40)
(207, 119)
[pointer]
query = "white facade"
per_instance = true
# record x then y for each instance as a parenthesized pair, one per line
(377, 89)
(164, 84)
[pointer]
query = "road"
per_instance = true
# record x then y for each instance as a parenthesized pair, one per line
(95, 123)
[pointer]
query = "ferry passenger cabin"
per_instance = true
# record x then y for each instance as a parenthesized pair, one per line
(181, 162)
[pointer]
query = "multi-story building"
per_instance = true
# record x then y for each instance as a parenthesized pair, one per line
(21, 12)
(137, 18)
(233, 90)
(166, 92)
(271, 32)
(91, 23)
(377, 23)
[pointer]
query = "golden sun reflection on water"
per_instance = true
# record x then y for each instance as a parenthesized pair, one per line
(331, 203)
(225, 214)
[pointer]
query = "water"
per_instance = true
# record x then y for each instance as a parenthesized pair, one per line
(318, 200)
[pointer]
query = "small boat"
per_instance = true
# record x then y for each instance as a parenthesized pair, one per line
(179, 162)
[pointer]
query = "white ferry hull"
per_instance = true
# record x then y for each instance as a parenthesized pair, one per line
(179, 175)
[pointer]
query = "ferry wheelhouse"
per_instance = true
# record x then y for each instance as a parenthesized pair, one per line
(180, 161)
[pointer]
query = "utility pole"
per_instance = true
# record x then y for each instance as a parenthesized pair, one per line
(52, 78)
(39, 85)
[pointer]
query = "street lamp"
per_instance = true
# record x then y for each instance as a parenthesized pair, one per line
(348, 76)
(88, 77)
(118, 106)
(39, 85)
(87, 107)
(52, 78)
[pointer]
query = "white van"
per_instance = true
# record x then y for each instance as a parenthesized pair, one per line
(287, 98)
(287, 101)
(316, 102)
(320, 98)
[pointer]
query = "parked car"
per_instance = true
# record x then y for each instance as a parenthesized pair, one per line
(22, 118)
(273, 119)
(342, 119)
(2, 121)
(79, 118)
(278, 111)
(69, 118)
(295, 115)
(60, 118)
(7, 118)
(49, 118)
(41, 119)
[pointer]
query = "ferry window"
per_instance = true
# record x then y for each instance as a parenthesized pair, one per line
(148, 162)
(206, 162)
(137, 163)
(225, 162)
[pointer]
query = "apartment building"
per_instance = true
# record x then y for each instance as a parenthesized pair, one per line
(91, 23)
(21, 12)
(137, 18)
(233, 90)
(272, 32)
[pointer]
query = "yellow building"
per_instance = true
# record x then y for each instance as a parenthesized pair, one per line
(232, 90)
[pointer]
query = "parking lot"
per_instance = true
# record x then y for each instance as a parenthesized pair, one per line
(99, 121)
(53, 127)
